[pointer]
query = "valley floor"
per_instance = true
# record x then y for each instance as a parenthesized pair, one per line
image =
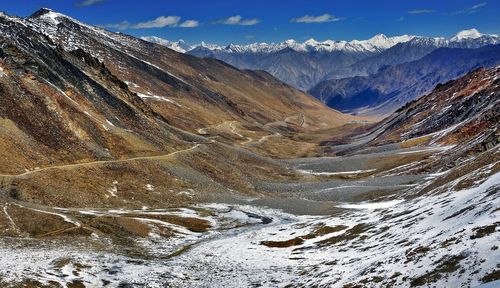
(320, 233)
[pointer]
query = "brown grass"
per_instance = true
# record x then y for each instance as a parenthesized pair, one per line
(447, 265)
(415, 141)
(283, 244)
(349, 235)
(120, 226)
(37, 224)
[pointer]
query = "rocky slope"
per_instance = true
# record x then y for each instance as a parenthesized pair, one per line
(85, 111)
(455, 112)
(393, 86)
(65, 106)
(182, 83)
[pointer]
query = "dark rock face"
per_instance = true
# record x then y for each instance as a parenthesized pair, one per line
(393, 86)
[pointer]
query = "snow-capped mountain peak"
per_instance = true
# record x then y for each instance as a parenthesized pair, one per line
(209, 46)
(378, 39)
(471, 38)
(50, 15)
(466, 34)
(377, 43)
(180, 46)
(46, 21)
(310, 45)
(312, 42)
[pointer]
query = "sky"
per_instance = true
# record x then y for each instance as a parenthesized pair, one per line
(248, 21)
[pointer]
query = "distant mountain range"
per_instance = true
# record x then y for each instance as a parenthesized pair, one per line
(417, 48)
(304, 65)
(393, 86)
(301, 65)
(376, 43)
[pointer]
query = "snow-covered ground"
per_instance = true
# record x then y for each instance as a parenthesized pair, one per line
(446, 239)
(428, 240)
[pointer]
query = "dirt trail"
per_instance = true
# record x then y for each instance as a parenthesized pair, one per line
(6, 183)
(6, 176)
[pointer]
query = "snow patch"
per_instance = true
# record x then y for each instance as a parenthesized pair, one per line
(371, 205)
(158, 98)
(112, 190)
(310, 172)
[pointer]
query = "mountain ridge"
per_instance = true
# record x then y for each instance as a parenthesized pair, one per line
(380, 41)
(393, 86)
(303, 65)
(141, 57)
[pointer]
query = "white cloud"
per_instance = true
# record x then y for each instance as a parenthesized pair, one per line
(190, 24)
(477, 6)
(89, 2)
(250, 22)
(316, 19)
(160, 22)
(233, 20)
(238, 20)
(469, 10)
(120, 26)
(420, 11)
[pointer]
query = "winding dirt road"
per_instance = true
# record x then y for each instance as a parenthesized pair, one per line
(100, 162)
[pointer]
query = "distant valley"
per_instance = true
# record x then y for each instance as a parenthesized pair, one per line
(318, 67)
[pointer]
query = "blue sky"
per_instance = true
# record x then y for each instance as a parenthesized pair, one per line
(247, 21)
